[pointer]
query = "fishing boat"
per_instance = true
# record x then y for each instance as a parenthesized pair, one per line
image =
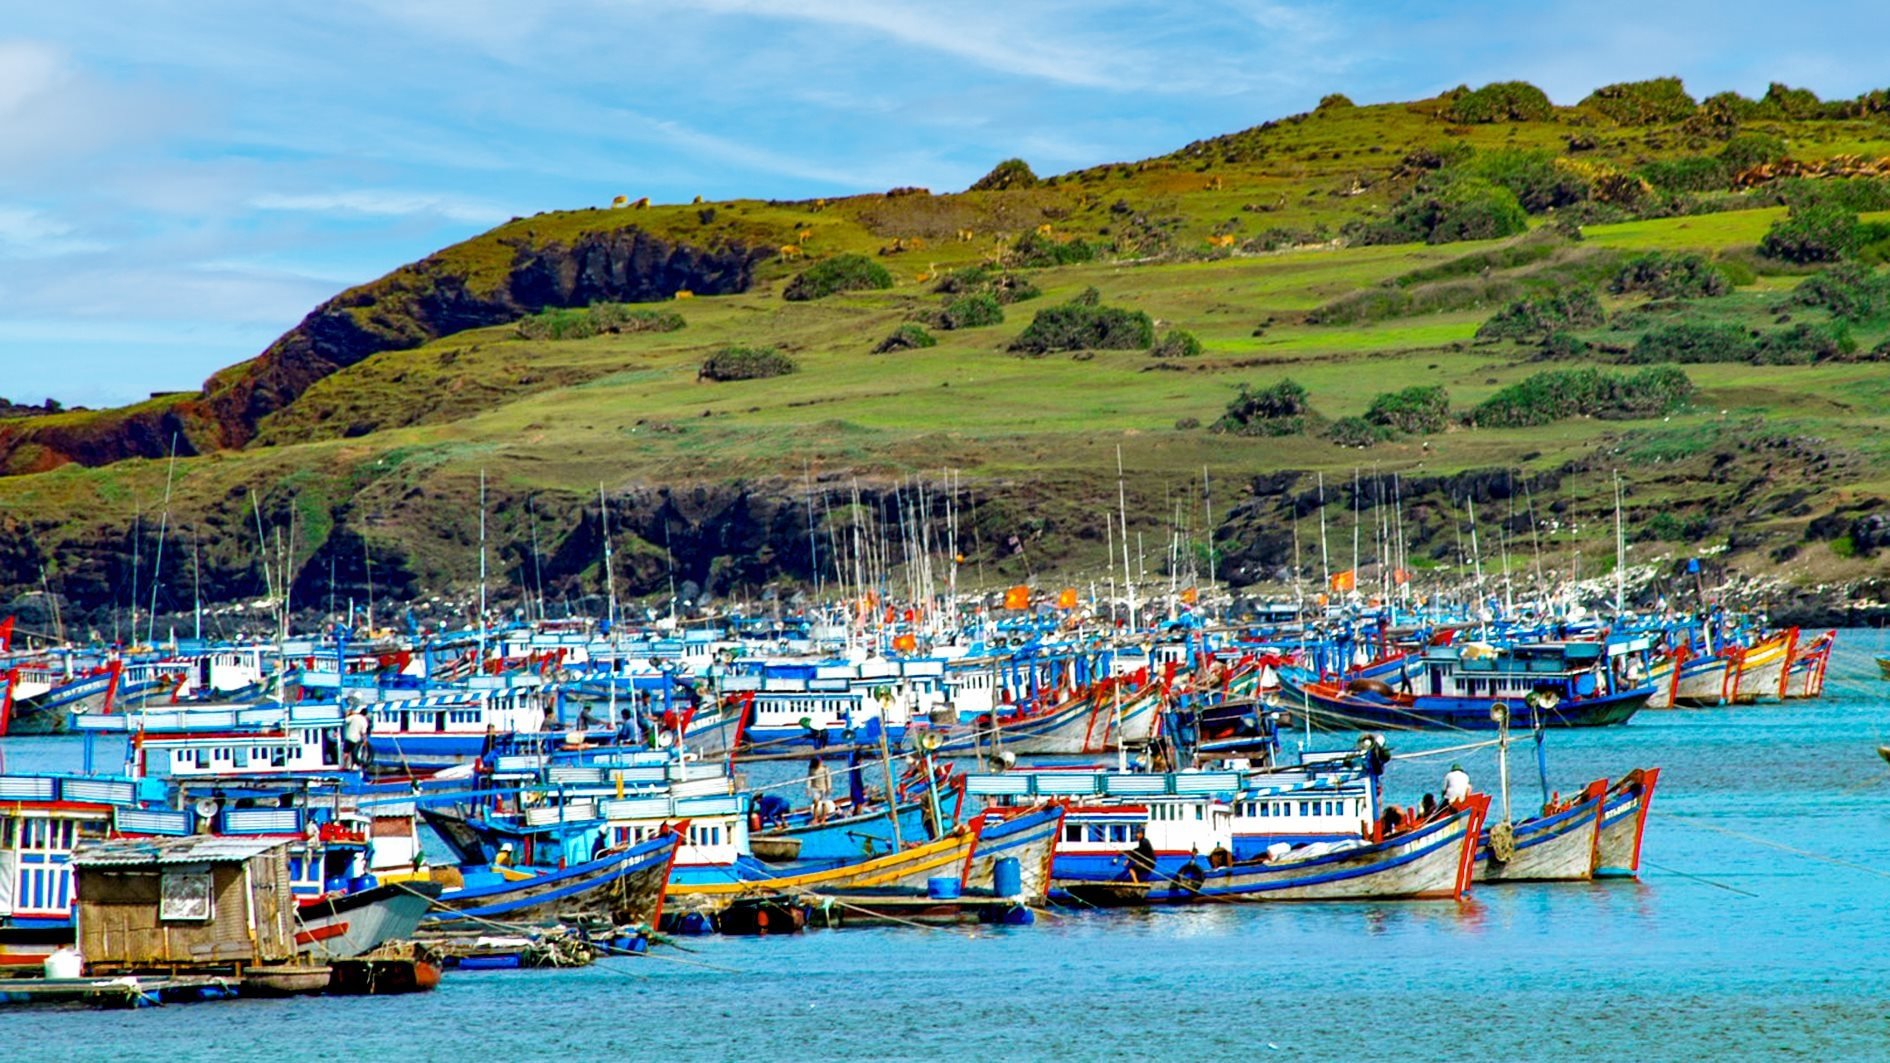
(1559, 845)
(1623, 823)
(1456, 687)
(909, 868)
(1434, 860)
(626, 886)
(1804, 677)
(1026, 835)
(1703, 680)
(1883, 666)
(346, 925)
(1761, 667)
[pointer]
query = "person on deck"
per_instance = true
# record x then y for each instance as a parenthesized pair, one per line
(354, 732)
(820, 788)
(1456, 785)
(1141, 860)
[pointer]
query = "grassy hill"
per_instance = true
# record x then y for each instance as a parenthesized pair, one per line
(1337, 249)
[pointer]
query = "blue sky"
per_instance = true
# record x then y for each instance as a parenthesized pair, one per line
(182, 180)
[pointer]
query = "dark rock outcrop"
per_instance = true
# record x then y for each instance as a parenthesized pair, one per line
(404, 309)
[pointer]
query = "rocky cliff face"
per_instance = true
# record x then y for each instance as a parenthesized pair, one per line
(406, 308)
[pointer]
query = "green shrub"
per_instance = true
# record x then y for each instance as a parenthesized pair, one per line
(1818, 233)
(1501, 101)
(1562, 393)
(1006, 175)
(1334, 101)
(598, 318)
(1849, 291)
(1537, 182)
(1541, 315)
(1729, 108)
(1670, 275)
(841, 273)
(972, 311)
(1035, 250)
(1655, 102)
(1415, 410)
(1689, 342)
(907, 337)
(1280, 410)
(1005, 287)
(1085, 327)
(1856, 194)
(1789, 102)
(1564, 345)
(746, 363)
(1089, 296)
(1178, 343)
(1356, 432)
(1746, 150)
(1466, 209)
(1689, 173)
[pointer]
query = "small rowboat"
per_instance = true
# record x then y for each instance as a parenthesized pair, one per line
(1108, 894)
(774, 848)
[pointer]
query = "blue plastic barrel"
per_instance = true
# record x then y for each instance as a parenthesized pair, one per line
(942, 888)
(1007, 877)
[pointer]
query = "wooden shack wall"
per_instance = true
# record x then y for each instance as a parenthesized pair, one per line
(118, 924)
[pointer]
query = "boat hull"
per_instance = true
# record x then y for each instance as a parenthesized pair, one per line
(341, 928)
(907, 869)
(1028, 836)
(1623, 823)
(627, 887)
(1557, 848)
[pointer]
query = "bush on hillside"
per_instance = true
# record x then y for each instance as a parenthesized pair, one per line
(1670, 275)
(1655, 102)
(907, 337)
(1334, 101)
(1035, 250)
(1501, 101)
(1787, 102)
(1816, 233)
(1729, 108)
(1538, 183)
(746, 363)
(972, 311)
(1280, 410)
(596, 319)
(1415, 410)
(1006, 175)
(1689, 173)
(1695, 343)
(1557, 394)
(1849, 291)
(1356, 432)
(1465, 209)
(841, 273)
(1079, 326)
(1746, 150)
(1178, 343)
(1005, 287)
(1539, 316)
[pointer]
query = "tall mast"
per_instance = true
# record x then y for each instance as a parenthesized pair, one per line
(164, 524)
(1122, 509)
(1325, 559)
(1620, 550)
(610, 568)
(482, 569)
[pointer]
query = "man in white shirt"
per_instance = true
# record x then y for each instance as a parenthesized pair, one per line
(1456, 785)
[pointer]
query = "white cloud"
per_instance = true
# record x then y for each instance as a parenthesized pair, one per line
(26, 233)
(384, 203)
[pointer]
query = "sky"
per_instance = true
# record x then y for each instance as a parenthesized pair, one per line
(182, 180)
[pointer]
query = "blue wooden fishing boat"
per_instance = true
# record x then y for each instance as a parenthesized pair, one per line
(1456, 686)
(625, 886)
(1623, 823)
(1559, 845)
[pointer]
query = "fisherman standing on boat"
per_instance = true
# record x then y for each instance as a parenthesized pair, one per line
(354, 732)
(1456, 785)
(820, 788)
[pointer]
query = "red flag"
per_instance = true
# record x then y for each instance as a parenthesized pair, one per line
(6, 634)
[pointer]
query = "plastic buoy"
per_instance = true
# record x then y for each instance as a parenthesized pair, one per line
(1007, 877)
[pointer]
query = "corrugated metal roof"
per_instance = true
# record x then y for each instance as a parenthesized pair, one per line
(195, 849)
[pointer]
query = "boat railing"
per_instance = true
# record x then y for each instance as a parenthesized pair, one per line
(68, 788)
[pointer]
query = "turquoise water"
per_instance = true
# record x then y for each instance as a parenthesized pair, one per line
(1729, 947)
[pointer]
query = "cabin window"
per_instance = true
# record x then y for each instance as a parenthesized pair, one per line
(1197, 813)
(1072, 832)
(1302, 808)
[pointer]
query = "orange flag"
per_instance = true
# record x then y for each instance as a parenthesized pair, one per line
(1345, 581)
(1189, 596)
(1067, 600)
(1017, 597)
(905, 643)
